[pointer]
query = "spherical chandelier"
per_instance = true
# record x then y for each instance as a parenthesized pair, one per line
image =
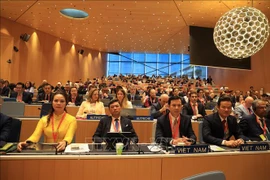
(241, 32)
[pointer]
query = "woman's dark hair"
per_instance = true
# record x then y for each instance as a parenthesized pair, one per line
(30, 84)
(59, 91)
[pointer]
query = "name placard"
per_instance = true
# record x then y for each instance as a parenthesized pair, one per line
(95, 117)
(192, 149)
(254, 147)
(143, 118)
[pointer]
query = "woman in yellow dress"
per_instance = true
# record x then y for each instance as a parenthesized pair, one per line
(57, 127)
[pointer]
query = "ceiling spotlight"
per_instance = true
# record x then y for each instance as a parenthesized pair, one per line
(15, 49)
(81, 51)
(25, 37)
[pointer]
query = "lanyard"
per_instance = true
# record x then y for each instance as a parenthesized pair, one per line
(264, 128)
(175, 128)
(55, 134)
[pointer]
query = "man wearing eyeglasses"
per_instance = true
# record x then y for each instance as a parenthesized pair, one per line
(254, 126)
(220, 126)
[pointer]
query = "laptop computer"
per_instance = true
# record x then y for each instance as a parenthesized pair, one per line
(128, 113)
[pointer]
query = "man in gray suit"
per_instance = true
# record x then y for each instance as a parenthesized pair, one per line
(244, 109)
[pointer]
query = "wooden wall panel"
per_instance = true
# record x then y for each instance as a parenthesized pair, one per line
(259, 75)
(46, 57)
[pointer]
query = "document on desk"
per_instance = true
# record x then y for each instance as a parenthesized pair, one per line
(216, 148)
(76, 148)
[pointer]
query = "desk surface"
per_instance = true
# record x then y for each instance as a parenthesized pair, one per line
(235, 165)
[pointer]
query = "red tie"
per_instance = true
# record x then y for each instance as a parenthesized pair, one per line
(225, 128)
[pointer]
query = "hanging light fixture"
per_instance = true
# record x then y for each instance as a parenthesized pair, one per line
(241, 32)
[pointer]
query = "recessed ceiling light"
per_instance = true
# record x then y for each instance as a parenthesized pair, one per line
(74, 13)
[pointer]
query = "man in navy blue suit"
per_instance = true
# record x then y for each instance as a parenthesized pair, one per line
(21, 95)
(174, 128)
(5, 128)
(220, 126)
(114, 123)
(254, 126)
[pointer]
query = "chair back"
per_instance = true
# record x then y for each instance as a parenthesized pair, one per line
(13, 109)
(15, 132)
(137, 103)
(45, 109)
(105, 102)
(212, 175)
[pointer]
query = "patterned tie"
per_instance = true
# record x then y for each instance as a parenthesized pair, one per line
(117, 125)
(225, 128)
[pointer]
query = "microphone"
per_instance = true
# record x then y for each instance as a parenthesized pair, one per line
(134, 142)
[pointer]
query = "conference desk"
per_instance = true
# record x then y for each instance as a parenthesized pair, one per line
(86, 128)
(235, 165)
(34, 111)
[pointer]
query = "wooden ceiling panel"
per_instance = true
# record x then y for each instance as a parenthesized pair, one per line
(133, 26)
(12, 10)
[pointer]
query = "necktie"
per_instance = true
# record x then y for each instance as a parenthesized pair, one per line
(117, 125)
(225, 128)
(249, 110)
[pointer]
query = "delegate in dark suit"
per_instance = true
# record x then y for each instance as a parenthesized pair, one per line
(105, 125)
(164, 132)
(187, 110)
(132, 97)
(43, 96)
(251, 127)
(26, 96)
(213, 132)
(5, 128)
(78, 100)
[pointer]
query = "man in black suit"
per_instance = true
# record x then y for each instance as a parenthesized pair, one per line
(5, 128)
(254, 126)
(160, 108)
(133, 94)
(46, 95)
(193, 108)
(220, 126)
(174, 128)
(74, 98)
(114, 123)
(21, 95)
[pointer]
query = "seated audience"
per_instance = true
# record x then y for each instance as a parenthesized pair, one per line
(29, 88)
(174, 128)
(151, 99)
(161, 107)
(239, 100)
(193, 109)
(57, 127)
(4, 89)
(74, 98)
(133, 95)
(114, 123)
(92, 105)
(104, 94)
(220, 126)
(47, 94)
(254, 126)
(122, 98)
(21, 95)
(5, 128)
(245, 108)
